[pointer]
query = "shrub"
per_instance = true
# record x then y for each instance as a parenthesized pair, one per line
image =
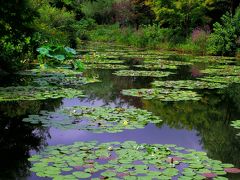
(224, 39)
(56, 26)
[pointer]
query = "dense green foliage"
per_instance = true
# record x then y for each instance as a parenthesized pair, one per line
(178, 24)
(225, 38)
(16, 36)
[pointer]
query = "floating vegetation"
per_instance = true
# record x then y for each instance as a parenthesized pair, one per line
(105, 66)
(127, 160)
(167, 62)
(156, 66)
(58, 71)
(65, 80)
(37, 93)
(221, 79)
(224, 70)
(188, 84)
(96, 119)
(142, 73)
(236, 124)
(104, 61)
(211, 59)
(163, 94)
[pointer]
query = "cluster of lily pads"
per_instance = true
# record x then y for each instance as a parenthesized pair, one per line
(142, 73)
(37, 93)
(236, 124)
(163, 94)
(96, 119)
(221, 79)
(156, 66)
(127, 160)
(58, 71)
(105, 61)
(166, 62)
(212, 59)
(189, 84)
(64, 80)
(106, 66)
(225, 70)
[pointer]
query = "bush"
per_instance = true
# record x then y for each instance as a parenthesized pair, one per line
(55, 25)
(146, 36)
(224, 39)
(83, 26)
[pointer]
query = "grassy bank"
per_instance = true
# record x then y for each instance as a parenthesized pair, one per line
(151, 37)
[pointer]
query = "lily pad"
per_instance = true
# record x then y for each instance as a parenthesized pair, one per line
(96, 119)
(17, 93)
(142, 73)
(163, 94)
(124, 154)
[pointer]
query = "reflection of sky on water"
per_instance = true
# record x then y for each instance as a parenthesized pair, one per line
(150, 134)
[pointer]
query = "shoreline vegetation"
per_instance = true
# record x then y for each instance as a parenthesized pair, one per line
(202, 27)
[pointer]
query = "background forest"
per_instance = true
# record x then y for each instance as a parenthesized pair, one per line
(188, 26)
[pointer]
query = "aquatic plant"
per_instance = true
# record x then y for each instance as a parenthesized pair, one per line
(64, 81)
(236, 124)
(57, 71)
(127, 160)
(96, 119)
(16, 93)
(142, 73)
(105, 66)
(188, 84)
(226, 70)
(156, 66)
(55, 53)
(221, 79)
(163, 94)
(166, 62)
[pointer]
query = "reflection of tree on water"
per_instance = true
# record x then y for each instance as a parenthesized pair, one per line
(109, 89)
(17, 139)
(210, 117)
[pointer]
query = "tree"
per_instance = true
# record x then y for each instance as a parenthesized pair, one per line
(225, 37)
(217, 8)
(181, 15)
(15, 34)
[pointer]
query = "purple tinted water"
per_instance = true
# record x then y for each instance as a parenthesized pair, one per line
(202, 125)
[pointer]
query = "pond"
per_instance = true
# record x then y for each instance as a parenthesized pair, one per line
(153, 115)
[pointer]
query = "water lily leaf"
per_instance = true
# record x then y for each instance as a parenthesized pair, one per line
(70, 50)
(43, 50)
(82, 174)
(108, 174)
(59, 57)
